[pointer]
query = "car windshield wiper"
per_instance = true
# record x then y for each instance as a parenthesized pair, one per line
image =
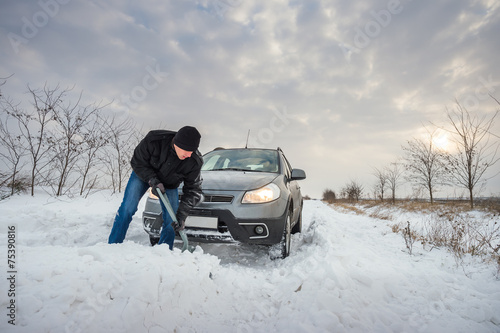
(231, 169)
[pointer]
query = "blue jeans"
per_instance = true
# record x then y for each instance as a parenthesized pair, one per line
(135, 190)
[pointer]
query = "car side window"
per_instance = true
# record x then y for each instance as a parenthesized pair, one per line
(288, 168)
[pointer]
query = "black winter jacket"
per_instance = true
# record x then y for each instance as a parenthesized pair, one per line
(155, 157)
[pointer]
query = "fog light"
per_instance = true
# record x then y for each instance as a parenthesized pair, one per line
(259, 230)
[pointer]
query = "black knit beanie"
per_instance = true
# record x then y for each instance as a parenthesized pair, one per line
(187, 138)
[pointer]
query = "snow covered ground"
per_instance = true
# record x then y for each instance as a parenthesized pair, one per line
(346, 273)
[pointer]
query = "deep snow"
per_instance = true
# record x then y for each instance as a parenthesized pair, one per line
(346, 273)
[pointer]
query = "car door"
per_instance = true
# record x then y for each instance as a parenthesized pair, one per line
(294, 188)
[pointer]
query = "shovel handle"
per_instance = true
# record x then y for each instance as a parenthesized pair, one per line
(170, 211)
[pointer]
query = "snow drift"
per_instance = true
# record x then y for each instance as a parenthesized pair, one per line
(346, 273)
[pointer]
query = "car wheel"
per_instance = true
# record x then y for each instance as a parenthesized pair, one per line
(153, 240)
(297, 228)
(282, 249)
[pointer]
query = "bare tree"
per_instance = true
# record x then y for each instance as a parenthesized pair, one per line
(68, 136)
(394, 174)
(13, 152)
(424, 163)
(94, 140)
(475, 152)
(123, 139)
(381, 183)
(33, 126)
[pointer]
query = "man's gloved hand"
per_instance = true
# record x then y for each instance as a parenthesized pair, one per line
(155, 186)
(179, 225)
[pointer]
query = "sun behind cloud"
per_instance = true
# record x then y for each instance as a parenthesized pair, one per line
(441, 142)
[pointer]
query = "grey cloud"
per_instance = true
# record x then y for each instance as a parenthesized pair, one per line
(229, 68)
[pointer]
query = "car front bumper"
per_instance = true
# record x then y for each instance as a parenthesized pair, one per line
(265, 231)
(255, 224)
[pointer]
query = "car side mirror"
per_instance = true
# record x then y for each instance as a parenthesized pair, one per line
(298, 174)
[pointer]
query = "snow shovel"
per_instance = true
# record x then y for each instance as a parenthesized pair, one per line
(170, 211)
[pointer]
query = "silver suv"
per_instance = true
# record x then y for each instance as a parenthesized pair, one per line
(250, 196)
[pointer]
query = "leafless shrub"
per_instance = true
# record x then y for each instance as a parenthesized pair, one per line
(410, 237)
(463, 234)
(329, 196)
(352, 191)
(487, 235)
(9, 186)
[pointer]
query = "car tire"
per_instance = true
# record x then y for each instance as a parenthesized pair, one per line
(153, 240)
(282, 249)
(297, 228)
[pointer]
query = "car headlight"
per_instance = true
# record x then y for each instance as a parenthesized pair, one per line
(264, 194)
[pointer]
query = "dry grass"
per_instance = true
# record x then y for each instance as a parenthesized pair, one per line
(453, 206)
(448, 224)
(491, 206)
(347, 207)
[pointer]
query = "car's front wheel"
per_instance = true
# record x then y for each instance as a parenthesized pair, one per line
(282, 249)
(297, 228)
(153, 240)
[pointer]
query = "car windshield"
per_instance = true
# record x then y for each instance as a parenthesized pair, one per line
(257, 160)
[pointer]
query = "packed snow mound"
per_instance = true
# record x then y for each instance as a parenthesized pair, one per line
(346, 273)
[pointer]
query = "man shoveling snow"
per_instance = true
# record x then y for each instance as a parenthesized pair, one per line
(163, 160)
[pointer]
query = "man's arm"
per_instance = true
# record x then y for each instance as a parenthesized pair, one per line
(192, 196)
(140, 161)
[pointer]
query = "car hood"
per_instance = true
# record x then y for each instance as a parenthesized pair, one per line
(235, 180)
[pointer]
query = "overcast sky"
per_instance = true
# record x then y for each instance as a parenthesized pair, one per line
(339, 85)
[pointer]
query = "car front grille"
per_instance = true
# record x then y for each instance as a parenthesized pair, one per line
(215, 198)
(218, 198)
